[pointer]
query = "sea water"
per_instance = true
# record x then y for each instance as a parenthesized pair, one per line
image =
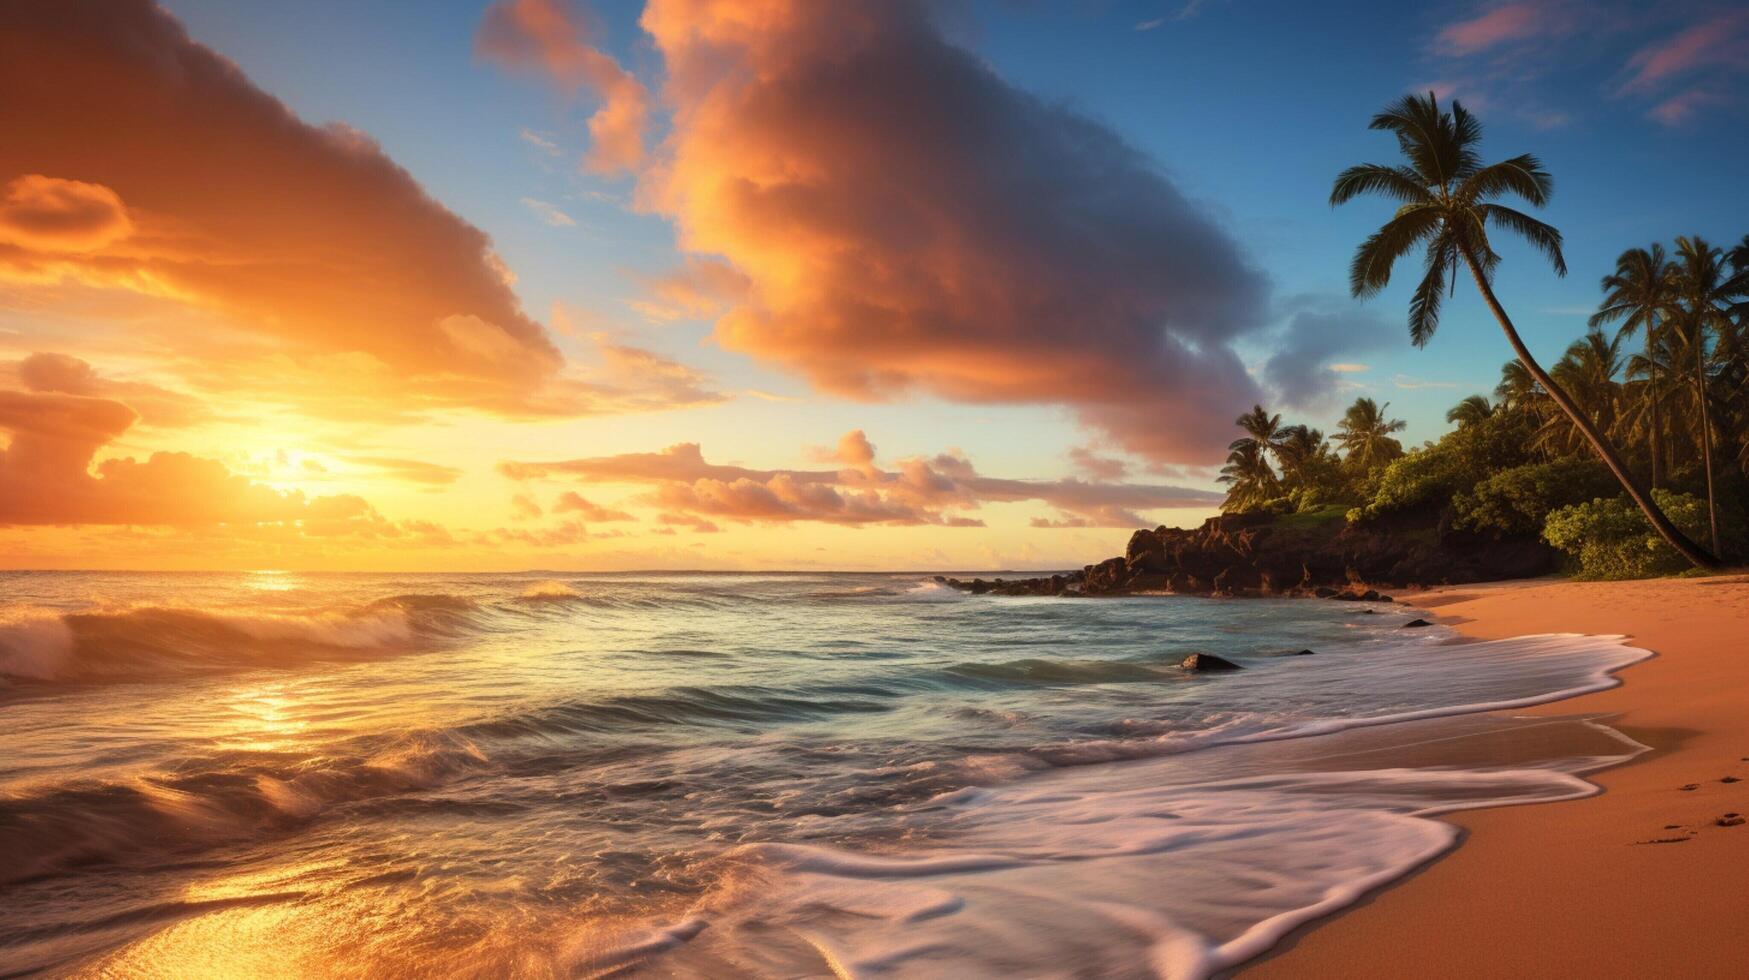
(729, 774)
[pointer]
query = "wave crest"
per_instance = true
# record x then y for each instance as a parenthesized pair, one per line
(146, 642)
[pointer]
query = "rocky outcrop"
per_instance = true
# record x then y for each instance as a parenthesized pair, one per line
(1261, 555)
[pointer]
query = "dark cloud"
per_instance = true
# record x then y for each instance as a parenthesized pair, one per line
(1321, 332)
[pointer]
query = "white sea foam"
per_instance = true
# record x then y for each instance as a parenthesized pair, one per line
(1177, 866)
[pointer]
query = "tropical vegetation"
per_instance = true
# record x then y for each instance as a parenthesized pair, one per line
(1630, 454)
(1660, 377)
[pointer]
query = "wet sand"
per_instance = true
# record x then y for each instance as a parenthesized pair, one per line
(1650, 878)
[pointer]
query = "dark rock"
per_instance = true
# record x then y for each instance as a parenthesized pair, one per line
(1301, 653)
(1207, 662)
(1729, 821)
(1416, 624)
(1255, 554)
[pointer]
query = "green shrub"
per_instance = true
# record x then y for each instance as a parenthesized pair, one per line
(1457, 462)
(1520, 499)
(1608, 538)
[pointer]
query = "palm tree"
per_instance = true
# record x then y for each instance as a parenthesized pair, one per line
(1517, 389)
(1703, 293)
(1587, 371)
(1365, 434)
(1260, 427)
(1638, 293)
(1298, 449)
(1249, 479)
(1474, 409)
(1446, 197)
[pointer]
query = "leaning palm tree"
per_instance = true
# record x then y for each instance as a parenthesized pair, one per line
(1365, 435)
(1474, 409)
(1447, 206)
(1704, 292)
(1639, 293)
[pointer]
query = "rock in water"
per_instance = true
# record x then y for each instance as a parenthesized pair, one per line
(1208, 661)
(1416, 624)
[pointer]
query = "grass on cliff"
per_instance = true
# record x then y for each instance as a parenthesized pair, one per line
(1328, 517)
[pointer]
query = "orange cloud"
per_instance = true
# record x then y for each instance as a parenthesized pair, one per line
(905, 219)
(549, 37)
(303, 243)
(409, 470)
(54, 215)
(47, 477)
(920, 490)
(63, 373)
(1097, 466)
(570, 502)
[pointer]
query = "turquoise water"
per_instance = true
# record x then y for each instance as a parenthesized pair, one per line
(708, 774)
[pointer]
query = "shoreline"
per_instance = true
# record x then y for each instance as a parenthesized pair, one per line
(1636, 879)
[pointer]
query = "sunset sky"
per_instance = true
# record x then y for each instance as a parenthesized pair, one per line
(756, 283)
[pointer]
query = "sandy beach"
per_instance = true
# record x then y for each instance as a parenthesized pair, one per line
(1642, 880)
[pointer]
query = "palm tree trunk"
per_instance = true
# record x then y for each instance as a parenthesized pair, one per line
(1706, 428)
(1660, 523)
(1657, 410)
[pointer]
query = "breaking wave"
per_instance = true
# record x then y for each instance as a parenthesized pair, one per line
(145, 642)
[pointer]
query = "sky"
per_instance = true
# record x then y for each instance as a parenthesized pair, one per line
(742, 284)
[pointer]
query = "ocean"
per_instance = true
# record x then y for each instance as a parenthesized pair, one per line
(547, 774)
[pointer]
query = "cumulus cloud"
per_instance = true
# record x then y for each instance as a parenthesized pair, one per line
(47, 477)
(153, 404)
(937, 490)
(549, 37)
(288, 252)
(1303, 370)
(56, 215)
(907, 220)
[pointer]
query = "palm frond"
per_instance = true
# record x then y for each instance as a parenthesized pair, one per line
(1371, 269)
(1399, 183)
(1466, 133)
(1424, 304)
(1415, 121)
(1522, 175)
(1544, 237)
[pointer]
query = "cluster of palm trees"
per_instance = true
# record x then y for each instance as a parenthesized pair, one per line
(1686, 389)
(1307, 468)
(1677, 402)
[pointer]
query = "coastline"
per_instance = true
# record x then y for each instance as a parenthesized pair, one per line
(1567, 885)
